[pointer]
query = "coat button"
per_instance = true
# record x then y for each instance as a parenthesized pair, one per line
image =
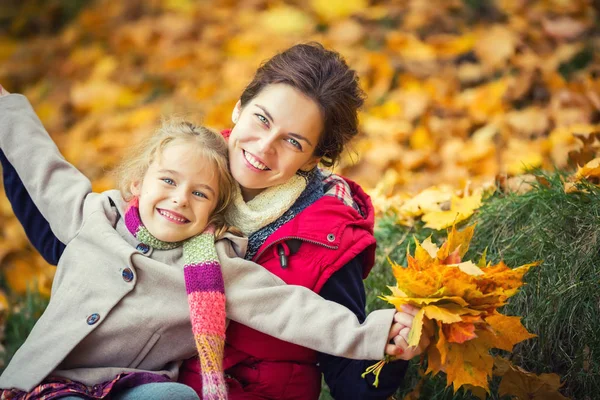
(331, 237)
(144, 248)
(92, 319)
(127, 275)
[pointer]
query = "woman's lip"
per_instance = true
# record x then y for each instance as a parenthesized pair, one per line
(252, 167)
(172, 213)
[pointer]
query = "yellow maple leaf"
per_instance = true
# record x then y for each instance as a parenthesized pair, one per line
(468, 363)
(428, 200)
(590, 171)
(461, 208)
(457, 240)
(505, 331)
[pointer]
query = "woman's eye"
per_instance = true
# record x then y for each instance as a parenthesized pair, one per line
(168, 181)
(295, 143)
(199, 194)
(262, 119)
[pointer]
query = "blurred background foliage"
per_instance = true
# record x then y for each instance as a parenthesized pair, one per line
(464, 97)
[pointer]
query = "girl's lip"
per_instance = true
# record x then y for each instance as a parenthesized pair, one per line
(252, 167)
(172, 213)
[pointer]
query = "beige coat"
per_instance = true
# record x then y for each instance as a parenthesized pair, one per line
(115, 309)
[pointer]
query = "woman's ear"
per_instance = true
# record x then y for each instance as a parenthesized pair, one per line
(136, 188)
(237, 110)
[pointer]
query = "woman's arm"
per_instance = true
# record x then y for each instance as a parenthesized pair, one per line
(56, 187)
(36, 227)
(342, 375)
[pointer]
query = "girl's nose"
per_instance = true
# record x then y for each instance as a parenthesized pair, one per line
(180, 199)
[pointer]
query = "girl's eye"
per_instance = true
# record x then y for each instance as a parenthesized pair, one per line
(199, 194)
(168, 181)
(295, 143)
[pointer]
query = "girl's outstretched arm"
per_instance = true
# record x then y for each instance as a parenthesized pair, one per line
(56, 187)
(258, 299)
(35, 225)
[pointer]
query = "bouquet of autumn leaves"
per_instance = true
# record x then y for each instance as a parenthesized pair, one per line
(459, 302)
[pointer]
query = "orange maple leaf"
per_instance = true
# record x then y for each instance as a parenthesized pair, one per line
(459, 332)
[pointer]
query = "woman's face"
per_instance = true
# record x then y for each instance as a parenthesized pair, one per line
(275, 135)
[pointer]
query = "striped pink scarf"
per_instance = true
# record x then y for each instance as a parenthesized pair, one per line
(206, 298)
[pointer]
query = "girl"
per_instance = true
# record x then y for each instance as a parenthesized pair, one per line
(117, 322)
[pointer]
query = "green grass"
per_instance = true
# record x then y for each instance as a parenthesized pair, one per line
(26, 311)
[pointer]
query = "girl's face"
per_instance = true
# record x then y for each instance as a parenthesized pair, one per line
(275, 135)
(178, 193)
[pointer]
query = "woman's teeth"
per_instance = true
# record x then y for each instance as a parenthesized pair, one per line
(254, 162)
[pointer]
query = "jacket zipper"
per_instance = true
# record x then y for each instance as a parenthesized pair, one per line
(297, 238)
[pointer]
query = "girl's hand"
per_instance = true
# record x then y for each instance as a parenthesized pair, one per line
(398, 346)
(3, 92)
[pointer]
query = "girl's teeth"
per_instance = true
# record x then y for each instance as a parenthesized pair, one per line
(171, 216)
(254, 162)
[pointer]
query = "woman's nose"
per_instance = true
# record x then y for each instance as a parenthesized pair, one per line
(266, 143)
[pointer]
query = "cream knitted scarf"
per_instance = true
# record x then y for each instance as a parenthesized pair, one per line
(266, 207)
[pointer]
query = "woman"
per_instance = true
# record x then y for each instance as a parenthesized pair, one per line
(307, 227)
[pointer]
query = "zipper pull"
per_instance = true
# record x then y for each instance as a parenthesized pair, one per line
(283, 261)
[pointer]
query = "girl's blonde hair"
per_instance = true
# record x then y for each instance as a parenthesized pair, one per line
(211, 147)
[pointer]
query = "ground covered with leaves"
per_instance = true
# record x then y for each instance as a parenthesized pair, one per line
(464, 96)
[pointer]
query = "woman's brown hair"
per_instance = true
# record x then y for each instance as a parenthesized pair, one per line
(324, 76)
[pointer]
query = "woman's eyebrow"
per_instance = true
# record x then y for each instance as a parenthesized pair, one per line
(294, 135)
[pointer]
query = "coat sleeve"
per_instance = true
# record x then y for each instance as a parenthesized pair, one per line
(343, 376)
(262, 301)
(56, 187)
(35, 225)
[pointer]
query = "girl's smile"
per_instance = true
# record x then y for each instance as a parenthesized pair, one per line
(173, 216)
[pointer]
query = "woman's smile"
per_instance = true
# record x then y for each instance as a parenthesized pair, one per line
(255, 162)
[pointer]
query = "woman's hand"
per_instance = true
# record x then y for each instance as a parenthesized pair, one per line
(3, 92)
(398, 346)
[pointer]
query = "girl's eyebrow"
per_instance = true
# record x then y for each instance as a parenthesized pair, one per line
(172, 172)
(294, 135)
